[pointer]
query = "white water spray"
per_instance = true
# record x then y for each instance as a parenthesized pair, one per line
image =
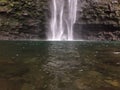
(63, 18)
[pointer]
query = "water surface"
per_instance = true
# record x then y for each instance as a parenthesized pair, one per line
(34, 65)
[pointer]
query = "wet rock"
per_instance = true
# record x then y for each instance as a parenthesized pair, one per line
(3, 3)
(22, 19)
(27, 87)
(4, 9)
(6, 84)
(99, 12)
(113, 83)
(89, 81)
(32, 16)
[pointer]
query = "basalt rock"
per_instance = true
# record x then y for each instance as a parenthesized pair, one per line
(22, 19)
(28, 19)
(98, 20)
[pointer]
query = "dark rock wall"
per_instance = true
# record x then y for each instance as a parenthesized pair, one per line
(22, 19)
(99, 19)
(27, 19)
(100, 12)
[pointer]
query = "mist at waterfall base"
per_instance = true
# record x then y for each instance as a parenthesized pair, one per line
(63, 18)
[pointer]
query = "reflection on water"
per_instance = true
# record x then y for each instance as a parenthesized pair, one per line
(63, 58)
(59, 65)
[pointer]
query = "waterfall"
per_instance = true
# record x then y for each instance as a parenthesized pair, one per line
(63, 18)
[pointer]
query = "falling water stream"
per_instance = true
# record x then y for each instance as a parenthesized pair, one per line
(63, 18)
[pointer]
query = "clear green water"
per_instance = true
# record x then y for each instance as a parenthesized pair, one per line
(33, 65)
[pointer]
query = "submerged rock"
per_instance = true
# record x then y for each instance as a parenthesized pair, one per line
(113, 83)
(89, 81)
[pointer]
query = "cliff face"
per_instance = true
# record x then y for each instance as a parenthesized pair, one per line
(22, 19)
(27, 19)
(99, 19)
(100, 12)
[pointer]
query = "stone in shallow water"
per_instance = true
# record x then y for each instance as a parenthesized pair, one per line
(89, 80)
(27, 87)
(113, 83)
(4, 9)
(3, 2)
(6, 84)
